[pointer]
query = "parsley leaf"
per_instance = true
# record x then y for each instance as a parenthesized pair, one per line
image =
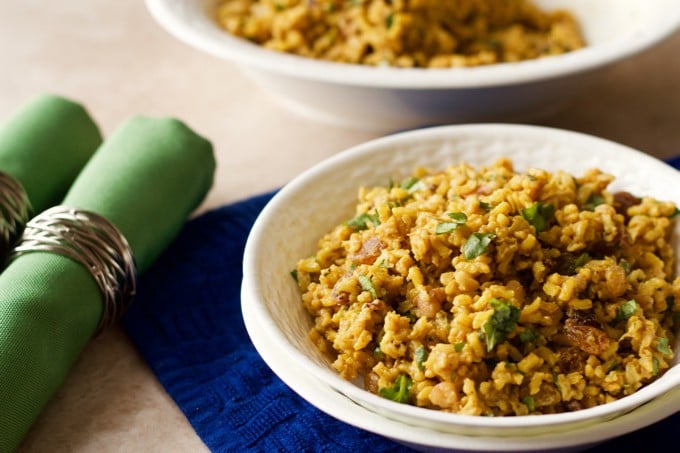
(294, 274)
(421, 356)
(399, 392)
(458, 219)
(539, 215)
(569, 264)
(502, 322)
(459, 346)
(528, 335)
(361, 222)
(367, 285)
(662, 346)
(476, 245)
(529, 401)
(593, 201)
(626, 310)
(485, 206)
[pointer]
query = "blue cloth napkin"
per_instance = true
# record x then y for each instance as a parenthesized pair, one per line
(186, 322)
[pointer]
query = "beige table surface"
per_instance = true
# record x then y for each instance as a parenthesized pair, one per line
(111, 56)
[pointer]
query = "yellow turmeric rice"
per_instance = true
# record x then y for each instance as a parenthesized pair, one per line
(404, 33)
(487, 291)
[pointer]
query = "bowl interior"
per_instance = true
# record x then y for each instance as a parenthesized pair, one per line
(614, 29)
(289, 226)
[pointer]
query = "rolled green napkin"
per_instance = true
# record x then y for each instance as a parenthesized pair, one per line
(146, 179)
(44, 144)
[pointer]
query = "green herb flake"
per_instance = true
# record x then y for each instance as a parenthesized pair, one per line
(675, 213)
(421, 357)
(399, 392)
(407, 183)
(502, 322)
(655, 366)
(367, 285)
(459, 346)
(528, 335)
(569, 264)
(625, 265)
(294, 274)
(662, 346)
(529, 401)
(457, 219)
(593, 201)
(445, 227)
(476, 245)
(626, 310)
(389, 20)
(539, 215)
(362, 221)
(613, 367)
(377, 352)
(485, 206)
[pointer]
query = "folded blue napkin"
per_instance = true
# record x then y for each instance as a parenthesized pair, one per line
(186, 322)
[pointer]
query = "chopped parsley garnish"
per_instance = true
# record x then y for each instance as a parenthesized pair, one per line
(626, 310)
(614, 366)
(408, 183)
(528, 335)
(399, 392)
(457, 219)
(476, 245)
(675, 213)
(367, 285)
(459, 346)
(389, 20)
(485, 206)
(625, 265)
(662, 346)
(593, 201)
(539, 215)
(569, 264)
(421, 357)
(502, 322)
(377, 352)
(655, 366)
(294, 274)
(529, 401)
(362, 221)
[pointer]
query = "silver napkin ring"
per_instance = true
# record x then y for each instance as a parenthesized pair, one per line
(93, 241)
(15, 210)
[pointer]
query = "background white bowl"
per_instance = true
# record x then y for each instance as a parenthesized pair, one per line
(389, 99)
(324, 196)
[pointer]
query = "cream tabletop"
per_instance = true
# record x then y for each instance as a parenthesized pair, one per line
(112, 57)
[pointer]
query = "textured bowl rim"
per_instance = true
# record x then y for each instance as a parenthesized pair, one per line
(177, 18)
(268, 216)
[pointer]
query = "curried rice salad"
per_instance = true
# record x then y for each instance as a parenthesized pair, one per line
(493, 292)
(404, 33)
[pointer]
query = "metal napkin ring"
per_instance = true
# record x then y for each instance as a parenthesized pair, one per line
(93, 241)
(15, 210)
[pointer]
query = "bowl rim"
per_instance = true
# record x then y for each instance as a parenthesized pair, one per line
(176, 17)
(287, 192)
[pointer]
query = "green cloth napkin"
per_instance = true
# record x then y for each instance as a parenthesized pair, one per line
(146, 178)
(44, 144)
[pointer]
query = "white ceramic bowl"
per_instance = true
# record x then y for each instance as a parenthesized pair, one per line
(324, 196)
(390, 99)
